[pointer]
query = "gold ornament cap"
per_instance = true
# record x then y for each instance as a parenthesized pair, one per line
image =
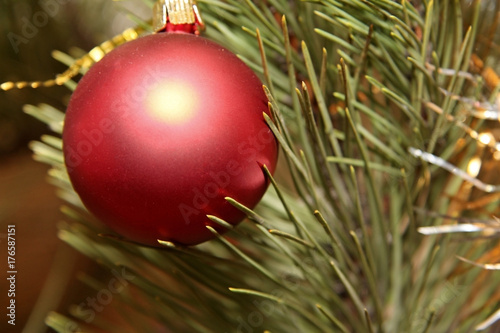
(177, 15)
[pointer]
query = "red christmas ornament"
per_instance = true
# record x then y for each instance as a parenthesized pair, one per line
(160, 131)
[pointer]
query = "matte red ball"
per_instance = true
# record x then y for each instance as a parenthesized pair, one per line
(160, 131)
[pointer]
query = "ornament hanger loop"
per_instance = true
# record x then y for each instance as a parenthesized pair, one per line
(177, 16)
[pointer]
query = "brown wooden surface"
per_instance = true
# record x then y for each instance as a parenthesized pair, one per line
(30, 203)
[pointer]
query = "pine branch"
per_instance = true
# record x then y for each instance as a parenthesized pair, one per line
(354, 87)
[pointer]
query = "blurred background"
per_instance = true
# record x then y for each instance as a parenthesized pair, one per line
(29, 31)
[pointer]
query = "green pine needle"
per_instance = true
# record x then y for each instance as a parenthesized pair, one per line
(335, 244)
